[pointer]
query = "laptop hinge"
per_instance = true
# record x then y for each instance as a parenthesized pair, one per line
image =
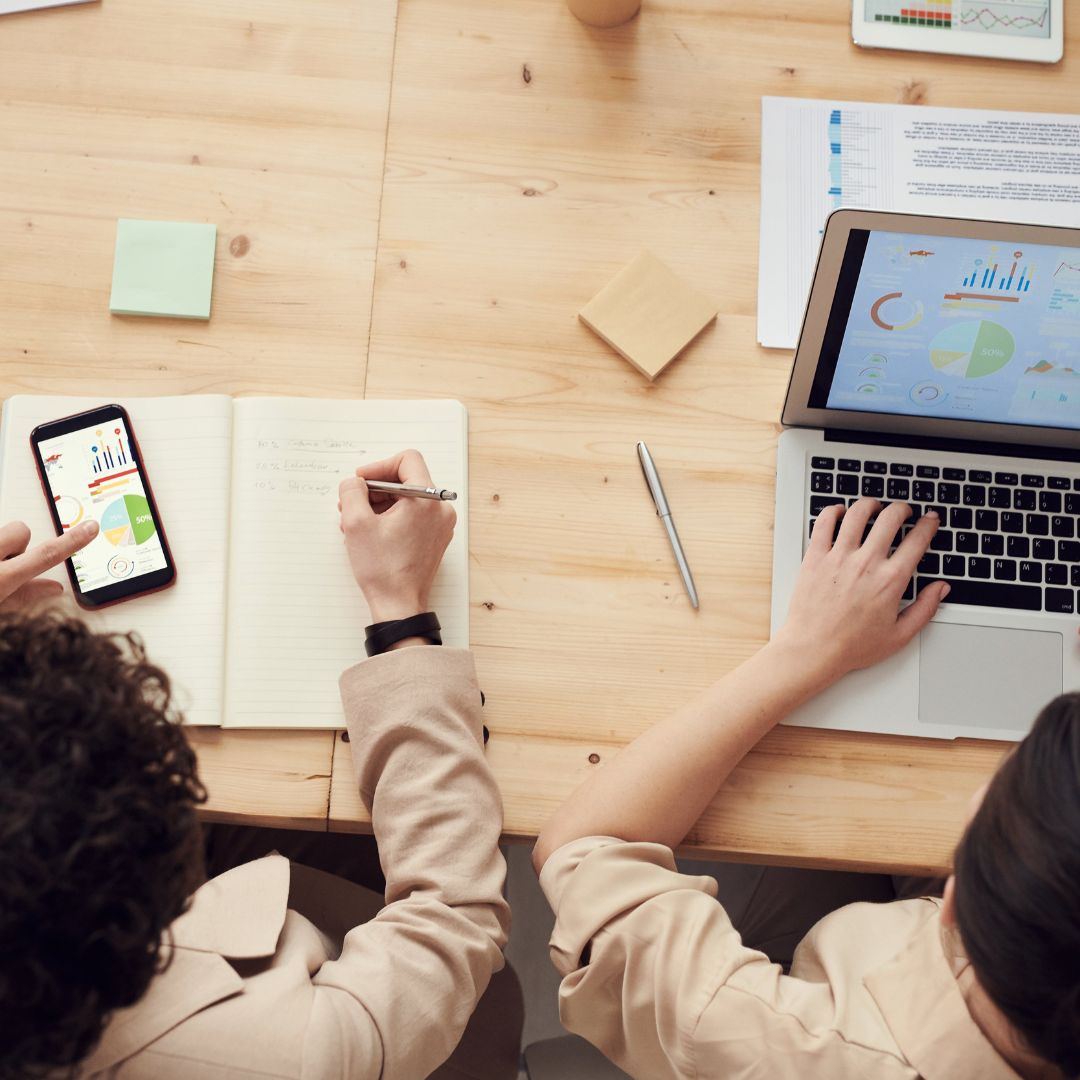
(955, 446)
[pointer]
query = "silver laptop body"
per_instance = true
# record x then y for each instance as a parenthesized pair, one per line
(939, 365)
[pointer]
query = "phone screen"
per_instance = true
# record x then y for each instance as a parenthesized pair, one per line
(93, 472)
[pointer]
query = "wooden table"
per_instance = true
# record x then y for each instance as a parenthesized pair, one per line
(265, 117)
(527, 158)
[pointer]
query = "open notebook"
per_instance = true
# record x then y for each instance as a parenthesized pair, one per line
(265, 614)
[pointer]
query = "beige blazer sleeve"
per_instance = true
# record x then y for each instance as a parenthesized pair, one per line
(656, 976)
(416, 971)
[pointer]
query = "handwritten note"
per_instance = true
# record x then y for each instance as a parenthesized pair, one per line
(296, 616)
(265, 614)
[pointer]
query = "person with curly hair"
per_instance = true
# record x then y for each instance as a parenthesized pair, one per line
(118, 957)
(982, 983)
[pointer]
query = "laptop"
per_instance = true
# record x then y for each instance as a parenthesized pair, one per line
(939, 365)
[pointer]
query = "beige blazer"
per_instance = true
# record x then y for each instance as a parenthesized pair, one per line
(656, 977)
(283, 971)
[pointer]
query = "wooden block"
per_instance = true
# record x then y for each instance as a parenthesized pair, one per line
(648, 314)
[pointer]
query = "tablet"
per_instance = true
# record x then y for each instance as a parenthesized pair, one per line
(1003, 29)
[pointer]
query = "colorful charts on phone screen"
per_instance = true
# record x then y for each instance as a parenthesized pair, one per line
(970, 350)
(121, 566)
(127, 521)
(70, 510)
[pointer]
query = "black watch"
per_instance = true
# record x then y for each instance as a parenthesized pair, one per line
(378, 637)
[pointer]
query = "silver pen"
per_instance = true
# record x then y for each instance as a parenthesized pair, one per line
(656, 490)
(415, 491)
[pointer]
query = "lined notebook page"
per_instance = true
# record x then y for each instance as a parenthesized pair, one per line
(296, 616)
(185, 443)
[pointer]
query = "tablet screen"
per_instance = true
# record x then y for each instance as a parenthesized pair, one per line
(1005, 18)
(954, 328)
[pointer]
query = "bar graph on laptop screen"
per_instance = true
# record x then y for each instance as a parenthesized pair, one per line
(961, 329)
(1011, 18)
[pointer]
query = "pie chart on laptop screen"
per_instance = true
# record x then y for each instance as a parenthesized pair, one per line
(127, 521)
(970, 350)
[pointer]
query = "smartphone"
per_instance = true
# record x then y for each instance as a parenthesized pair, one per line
(90, 467)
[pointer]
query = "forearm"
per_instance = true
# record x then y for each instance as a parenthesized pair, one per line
(414, 722)
(658, 787)
(420, 966)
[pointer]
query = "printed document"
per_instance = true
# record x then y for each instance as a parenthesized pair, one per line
(820, 155)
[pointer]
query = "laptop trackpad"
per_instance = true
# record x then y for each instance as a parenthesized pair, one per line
(985, 676)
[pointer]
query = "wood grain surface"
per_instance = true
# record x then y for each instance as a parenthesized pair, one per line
(265, 117)
(528, 158)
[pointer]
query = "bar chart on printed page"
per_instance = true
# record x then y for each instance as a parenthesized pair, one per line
(1012, 18)
(844, 153)
(817, 156)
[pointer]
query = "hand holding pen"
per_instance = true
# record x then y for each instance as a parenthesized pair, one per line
(395, 544)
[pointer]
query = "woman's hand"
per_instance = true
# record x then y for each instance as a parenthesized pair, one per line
(20, 583)
(845, 611)
(395, 545)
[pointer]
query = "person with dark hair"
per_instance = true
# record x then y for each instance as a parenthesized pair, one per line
(118, 958)
(981, 984)
(99, 844)
(1014, 899)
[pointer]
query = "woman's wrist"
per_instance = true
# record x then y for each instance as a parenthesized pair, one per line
(806, 669)
(384, 635)
(383, 616)
(390, 608)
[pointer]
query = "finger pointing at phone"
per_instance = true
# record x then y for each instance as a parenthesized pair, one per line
(20, 568)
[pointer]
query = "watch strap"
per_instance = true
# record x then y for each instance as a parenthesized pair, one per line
(380, 636)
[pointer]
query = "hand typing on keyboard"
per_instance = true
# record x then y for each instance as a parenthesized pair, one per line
(1007, 539)
(846, 603)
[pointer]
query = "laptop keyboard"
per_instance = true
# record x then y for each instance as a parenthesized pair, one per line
(1007, 540)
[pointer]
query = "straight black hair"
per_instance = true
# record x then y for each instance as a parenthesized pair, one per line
(1017, 873)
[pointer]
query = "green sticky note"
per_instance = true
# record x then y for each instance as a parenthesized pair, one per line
(163, 268)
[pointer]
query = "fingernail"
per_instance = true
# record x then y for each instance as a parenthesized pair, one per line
(89, 529)
(945, 592)
(931, 514)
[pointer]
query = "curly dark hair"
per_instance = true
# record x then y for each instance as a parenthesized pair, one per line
(99, 843)
(1018, 887)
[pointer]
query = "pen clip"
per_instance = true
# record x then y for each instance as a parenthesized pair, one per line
(652, 480)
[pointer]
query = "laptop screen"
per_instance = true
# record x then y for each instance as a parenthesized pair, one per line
(954, 328)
